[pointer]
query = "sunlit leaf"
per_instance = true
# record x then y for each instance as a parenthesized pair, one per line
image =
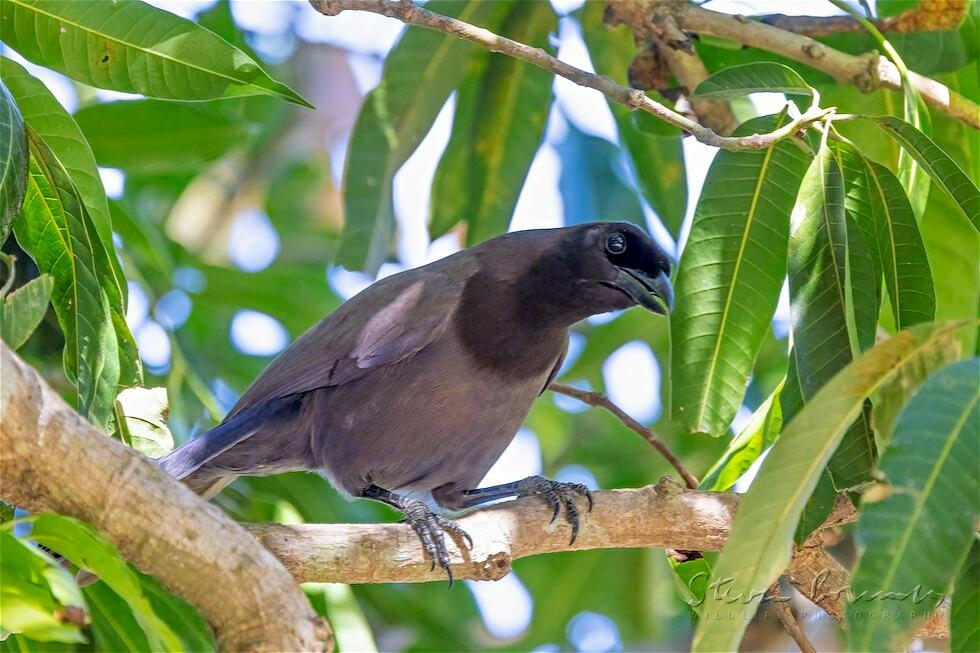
(22, 310)
(760, 543)
(13, 159)
(337, 602)
(489, 154)
(657, 157)
(937, 163)
(419, 74)
(758, 77)
(158, 135)
(963, 624)
(731, 272)
(134, 47)
(914, 540)
(141, 420)
(818, 299)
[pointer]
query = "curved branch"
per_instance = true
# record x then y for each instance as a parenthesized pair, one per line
(928, 16)
(54, 460)
(409, 13)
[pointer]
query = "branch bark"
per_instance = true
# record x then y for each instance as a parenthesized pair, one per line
(410, 14)
(54, 460)
(928, 16)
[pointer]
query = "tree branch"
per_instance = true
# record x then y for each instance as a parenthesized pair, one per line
(599, 400)
(928, 16)
(54, 460)
(786, 617)
(411, 14)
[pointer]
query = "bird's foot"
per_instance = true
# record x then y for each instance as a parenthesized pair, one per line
(431, 529)
(557, 495)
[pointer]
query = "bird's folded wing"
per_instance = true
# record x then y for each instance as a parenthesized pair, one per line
(388, 322)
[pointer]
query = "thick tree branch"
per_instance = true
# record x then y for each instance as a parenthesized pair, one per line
(52, 459)
(928, 16)
(411, 14)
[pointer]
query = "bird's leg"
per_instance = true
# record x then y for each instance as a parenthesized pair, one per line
(555, 493)
(427, 525)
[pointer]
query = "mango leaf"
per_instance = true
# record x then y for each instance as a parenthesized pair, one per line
(13, 160)
(729, 278)
(937, 163)
(818, 304)
(490, 152)
(963, 624)
(57, 231)
(22, 310)
(158, 135)
(914, 539)
(40, 597)
(746, 447)
(49, 120)
(863, 284)
(141, 419)
(87, 549)
(337, 601)
(760, 543)
(194, 632)
(134, 47)
(818, 507)
(419, 74)
(879, 207)
(757, 77)
(656, 157)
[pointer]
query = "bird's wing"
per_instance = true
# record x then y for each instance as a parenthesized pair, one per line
(388, 322)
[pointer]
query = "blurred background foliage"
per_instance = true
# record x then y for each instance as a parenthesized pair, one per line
(234, 236)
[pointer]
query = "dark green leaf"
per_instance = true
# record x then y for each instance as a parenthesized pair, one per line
(49, 120)
(179, 615)
(818, 507)
(13, 166)
(964, 626)
(56, 230)
(86, 548)
(22, 310)
(657, 158)
(759, 77)
(818, 299)
(419, 74)
(877, 203)
(937, 163)
(914, 540)
(134, 47)
(490, 152)
(760, 543)
(864, 289)
(155, 135)
(731, 272)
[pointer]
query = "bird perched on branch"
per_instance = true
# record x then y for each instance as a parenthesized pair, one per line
(418, 384)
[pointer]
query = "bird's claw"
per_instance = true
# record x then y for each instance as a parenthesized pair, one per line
(557, 494)
(431, 530)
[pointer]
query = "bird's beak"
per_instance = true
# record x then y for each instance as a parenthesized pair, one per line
(652, 293)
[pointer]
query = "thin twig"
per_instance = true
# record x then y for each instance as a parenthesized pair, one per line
(785, 613)
(599, 400)
(410, 14)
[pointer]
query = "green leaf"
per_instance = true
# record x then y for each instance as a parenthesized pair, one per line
(419, 74)
(36, 593)
(729, 278)
(879, 207)
(184, 619)
(134, 47)
(937, 163)
(49, 120)
(914, 540)
(758, 77)
(745, 448)
(13, 151)
(818, 507)
(57, 231)
(141, 418)
(863, 284)
(963, 624)
(337, 601)
(818, 303)
(760, 543)
(490, 152)
(86, 548)
(656, 156)
(22, 310)
(159, 136)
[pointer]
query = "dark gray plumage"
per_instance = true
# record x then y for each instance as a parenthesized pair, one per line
(419, 383)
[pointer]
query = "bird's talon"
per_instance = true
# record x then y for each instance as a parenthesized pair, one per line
(431, 530)
(558, 494)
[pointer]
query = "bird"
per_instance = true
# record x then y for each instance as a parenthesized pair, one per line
(410, 391)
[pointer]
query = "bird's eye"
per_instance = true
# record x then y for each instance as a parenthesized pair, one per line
(616, 244)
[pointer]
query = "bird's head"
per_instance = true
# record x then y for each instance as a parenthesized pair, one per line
(593, 268)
